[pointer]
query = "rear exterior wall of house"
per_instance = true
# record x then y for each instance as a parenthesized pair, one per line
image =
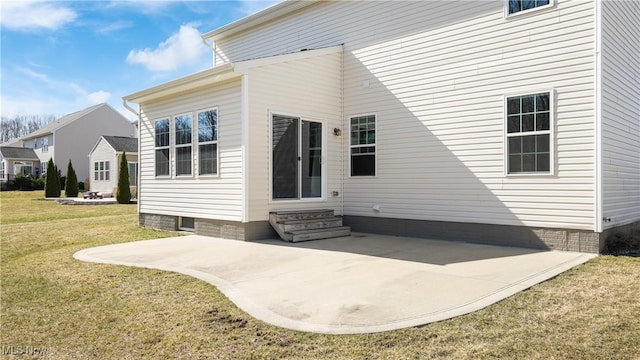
(435, 76)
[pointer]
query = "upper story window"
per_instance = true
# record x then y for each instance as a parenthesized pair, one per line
(45, 144)
(208, 142)
(516, 6)
(529, 142)
(363, 145)
(183, 150)
(162, 147)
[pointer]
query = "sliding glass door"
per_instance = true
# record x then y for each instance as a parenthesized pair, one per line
(296, 147)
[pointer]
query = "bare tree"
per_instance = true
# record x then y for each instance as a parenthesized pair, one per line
(21, 125)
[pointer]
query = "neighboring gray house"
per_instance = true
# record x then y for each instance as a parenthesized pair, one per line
(72, 136)
(16, 161)
(104, 162)
(506, 122)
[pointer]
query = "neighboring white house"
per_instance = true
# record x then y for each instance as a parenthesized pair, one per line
(17, 161)
(104, 162)
(72, 136)
(505, 122)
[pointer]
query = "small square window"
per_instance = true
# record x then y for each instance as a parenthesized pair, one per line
(187, 223)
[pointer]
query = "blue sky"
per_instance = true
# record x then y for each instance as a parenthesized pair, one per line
(58, 57)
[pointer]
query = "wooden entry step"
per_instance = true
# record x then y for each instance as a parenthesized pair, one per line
(305, 225)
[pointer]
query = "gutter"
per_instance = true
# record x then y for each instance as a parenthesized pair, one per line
(125, 103)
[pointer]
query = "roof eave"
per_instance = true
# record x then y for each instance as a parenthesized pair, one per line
(263, 16)
(199, 79)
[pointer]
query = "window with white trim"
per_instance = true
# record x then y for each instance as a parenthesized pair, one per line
(101, 171)
(22, 168)
(516, 6)
(363, 145)
(208, 142)
(45, 145)
(183, 150)
(529, 123)
(133, 173)
(162, 147)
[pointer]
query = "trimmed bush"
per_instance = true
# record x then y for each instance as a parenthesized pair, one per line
(23, 183)
(71, 187)
(38, 184)
(52, 181)
(123, 194)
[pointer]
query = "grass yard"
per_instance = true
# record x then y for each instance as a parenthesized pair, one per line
(76, 310)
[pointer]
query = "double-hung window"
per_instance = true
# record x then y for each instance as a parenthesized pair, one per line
(162, 147)
(529, 142)
(208, 142)
(363, 145)
(101, 171)
(516, 6)
(183, 134)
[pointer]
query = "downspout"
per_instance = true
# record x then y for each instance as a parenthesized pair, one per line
(345, 132)
(211, 48)
(132, 110)
(244, 126)
(598, 216)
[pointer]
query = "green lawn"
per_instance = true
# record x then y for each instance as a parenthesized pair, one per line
(77, 310)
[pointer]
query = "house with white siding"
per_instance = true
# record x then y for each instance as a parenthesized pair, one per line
(72, 136)
(504, 122)
(17, 161)
(104, 163)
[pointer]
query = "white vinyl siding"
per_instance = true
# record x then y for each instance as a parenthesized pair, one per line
(103, 154)
(196, 197)
(620, 112)
(308, 89)
(436, 74)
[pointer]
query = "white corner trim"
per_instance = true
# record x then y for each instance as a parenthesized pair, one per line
(598, 213)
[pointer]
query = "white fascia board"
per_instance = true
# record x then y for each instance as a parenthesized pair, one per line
(243, 67)
(202, 78)
(98, 143)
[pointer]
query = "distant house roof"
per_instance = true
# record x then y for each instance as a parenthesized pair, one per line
(51, 127)
(18, 153)
(121, 143)
(69, 118)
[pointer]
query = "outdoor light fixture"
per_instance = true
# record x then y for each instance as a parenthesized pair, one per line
(336, 132)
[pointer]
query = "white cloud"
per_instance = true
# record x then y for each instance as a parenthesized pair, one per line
(30, 15)
(99, 97)
(39, 93)
(183, 48)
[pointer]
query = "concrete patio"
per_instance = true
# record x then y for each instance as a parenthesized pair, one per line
(358, 284)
